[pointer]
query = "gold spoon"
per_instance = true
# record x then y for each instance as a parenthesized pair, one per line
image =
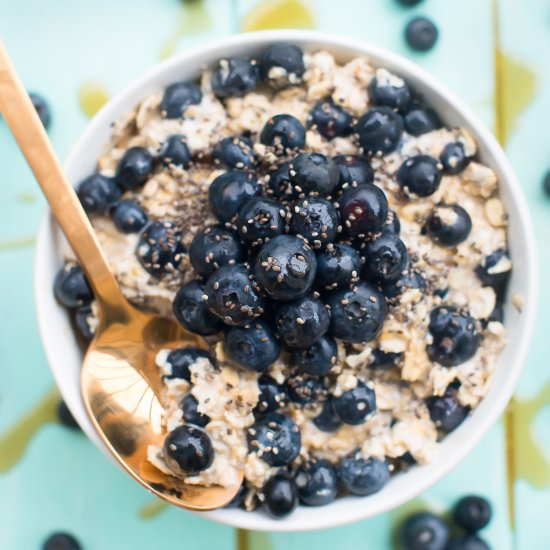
(121, 385)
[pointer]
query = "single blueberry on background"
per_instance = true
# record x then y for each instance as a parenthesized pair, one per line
(273, 396)
(468, 541)
(261, 219)
(446, 412)
(424, 531)
(234, 77)
(180, 359)
(363, 210)
(327, 420)
(304, 389)
(234, 152)
(453, 158)
(380, 130)
(353, 169)
(314, 174)
(230, 191)
(134, 168)
(188, 449)
(61, 541)
(191, 414)
(174, 152)
(42, 108)
(330, 120)
(473, 512)
(421, 120)
(281, 65)
(449, 225)
(421, 34)
(419, 176)
(338, 266)
(356, 405)
(317, 359)
(385, 258)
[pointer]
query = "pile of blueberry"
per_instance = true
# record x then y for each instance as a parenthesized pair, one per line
(305, 252)
(428, 531)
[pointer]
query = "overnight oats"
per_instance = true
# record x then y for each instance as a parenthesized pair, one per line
(341, 252)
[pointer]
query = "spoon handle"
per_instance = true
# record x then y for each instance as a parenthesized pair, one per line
(26, 127)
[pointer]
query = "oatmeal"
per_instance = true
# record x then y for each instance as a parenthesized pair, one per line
(342, 253)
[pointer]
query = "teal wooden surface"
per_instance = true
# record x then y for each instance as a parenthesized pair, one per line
(62, 481)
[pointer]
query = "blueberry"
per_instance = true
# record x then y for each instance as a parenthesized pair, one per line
(317, 482)
(392, 225)
(315, 220)
(129, 217)
(327, 420)
(446, 411)
(61, 541)
(42, 109)
(279, 183)
(191, 311)
(357, 315)
(338, 266)
(174, 152)
(420, 120)
(455, 336)
(497, 315)
(71, 287)
(304, 389)
(363, 210)
(191, 414)
(134, 168)
(235, 152)
(449, 225)
(419, 176)
(317, 359)
(180, 359)
(380, 130)
(232, 295)
(453, 158)
(388, 90)
(408, 280)
(385, 360)
(301, 322)
(98, 193)
(473, 513)
(330, 120)
(188, 450)
(495, 268)
(276, 439)
(273, 396)
(546, 183)
(159, 249)
(314, 174)
(261, 219)
(409, 3)
(238, 500)
(421, 34)
(283, 132)
(82, 315)
(213, 247)
(229, 192)
(285, 267)
(353, 169)
(385, 258)
(282, 65)
(66, 417)
(177, 97)
(468, 542)
(425, 531)
(355, 406)
(253, 346)
(363, 476)
(280, 495)
(234, 77)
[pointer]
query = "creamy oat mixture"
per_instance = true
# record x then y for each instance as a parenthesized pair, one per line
(418, 399)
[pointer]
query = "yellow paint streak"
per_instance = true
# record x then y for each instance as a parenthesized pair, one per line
(277, 14)
(27, 197)
(193, 19)
(241, 539)
(258, 540)
(153, 508)
(515, 87)
(91, 97)
(531, 464)
(14, 442)
(15, 244)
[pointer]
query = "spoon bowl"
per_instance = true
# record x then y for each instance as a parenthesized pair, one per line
(120, 383)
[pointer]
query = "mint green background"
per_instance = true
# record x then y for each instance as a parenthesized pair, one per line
(63, 482)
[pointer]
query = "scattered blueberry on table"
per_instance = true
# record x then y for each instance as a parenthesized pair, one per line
(66, 417)
(61, 541)
(421, 34)
(42, 108)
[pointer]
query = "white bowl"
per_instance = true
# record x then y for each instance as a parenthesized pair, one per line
(64, 354)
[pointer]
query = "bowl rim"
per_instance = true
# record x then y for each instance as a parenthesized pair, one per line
(432, 472)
